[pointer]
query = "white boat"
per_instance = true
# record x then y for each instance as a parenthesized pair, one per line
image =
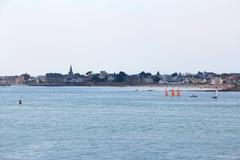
(216, 94)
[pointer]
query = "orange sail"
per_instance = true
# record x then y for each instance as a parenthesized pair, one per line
(178, 92)
(166, 92)
(173, 93)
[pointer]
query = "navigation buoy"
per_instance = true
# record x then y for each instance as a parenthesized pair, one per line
(20, 102)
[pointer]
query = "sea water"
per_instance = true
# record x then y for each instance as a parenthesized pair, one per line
(105, 123)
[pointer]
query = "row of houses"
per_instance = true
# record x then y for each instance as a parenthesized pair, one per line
(142, 78)
(104, 78)
(8, 80)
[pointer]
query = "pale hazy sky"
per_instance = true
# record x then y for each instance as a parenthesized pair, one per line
(39, 36)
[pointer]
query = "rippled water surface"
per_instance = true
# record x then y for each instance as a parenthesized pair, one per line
(117, 123)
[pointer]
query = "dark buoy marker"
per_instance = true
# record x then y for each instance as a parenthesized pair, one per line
(20, 102)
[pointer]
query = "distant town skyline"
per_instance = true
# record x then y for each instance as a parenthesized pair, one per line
(38, 37)
(224, 82)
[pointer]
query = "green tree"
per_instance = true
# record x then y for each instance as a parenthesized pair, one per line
(95, 78)
(142, 74)
(174, 74)
(156, 79)
(121, 77)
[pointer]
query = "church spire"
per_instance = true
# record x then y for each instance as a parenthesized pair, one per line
(70, 73)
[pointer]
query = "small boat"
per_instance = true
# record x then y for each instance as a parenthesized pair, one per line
(150, 90)
(216, 95)
(194, 96)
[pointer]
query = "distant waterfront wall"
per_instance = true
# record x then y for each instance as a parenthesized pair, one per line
(225, 87)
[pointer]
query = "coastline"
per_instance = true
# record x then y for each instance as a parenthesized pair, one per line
(150, 87)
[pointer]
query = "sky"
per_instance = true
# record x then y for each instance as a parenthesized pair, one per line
(169, 36)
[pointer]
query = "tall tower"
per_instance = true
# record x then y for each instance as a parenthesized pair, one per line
(70, 73)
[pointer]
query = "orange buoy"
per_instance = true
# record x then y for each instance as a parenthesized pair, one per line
(166, 92)
(173, 93)
(178, 92)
